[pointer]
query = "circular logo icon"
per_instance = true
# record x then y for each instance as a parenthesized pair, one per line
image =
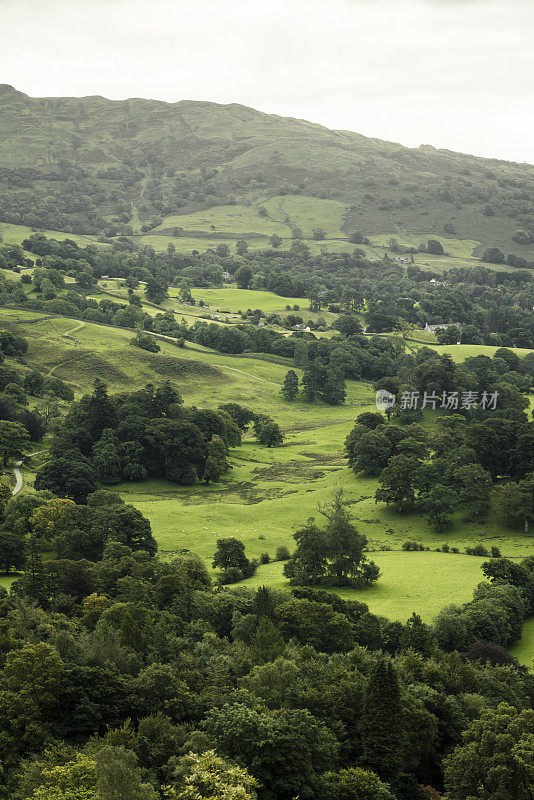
(384, 400)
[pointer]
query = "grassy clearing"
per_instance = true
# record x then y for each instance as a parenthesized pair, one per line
(235, 220)
(15, 234)
(308, 213)
(523, 650)
(457, 248)
(233, 299)
(420, 582)
(460, 352)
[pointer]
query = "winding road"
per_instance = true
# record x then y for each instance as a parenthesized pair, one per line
(18, 474)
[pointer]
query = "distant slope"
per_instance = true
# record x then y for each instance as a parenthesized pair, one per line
(92, 165)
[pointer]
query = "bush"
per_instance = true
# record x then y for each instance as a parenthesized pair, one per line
(409, 545)
(495, 552)
(477, 550)
(231, 575)
(282, 553)
(265, 558)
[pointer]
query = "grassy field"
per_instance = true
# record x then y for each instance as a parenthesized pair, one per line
(408, 582)
(456, 248)
(15, 234)
(234, 299)
(234, 220)
(523, 650)
(307, 213)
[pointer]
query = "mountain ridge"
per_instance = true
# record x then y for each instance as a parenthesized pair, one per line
(89, 165)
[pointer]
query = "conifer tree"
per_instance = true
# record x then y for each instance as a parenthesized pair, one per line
(290, 386)
(268, 643)
(382, 722)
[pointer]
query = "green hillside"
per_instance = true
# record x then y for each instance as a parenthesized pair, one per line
(269, 492)
(92, 166)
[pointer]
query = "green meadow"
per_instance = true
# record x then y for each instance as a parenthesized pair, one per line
(268, 493)
(523, 649)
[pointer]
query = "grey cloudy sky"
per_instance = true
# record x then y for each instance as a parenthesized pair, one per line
(452, 73)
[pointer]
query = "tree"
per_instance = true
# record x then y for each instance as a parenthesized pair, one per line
(348, 325)
(118, 777)
(155, 290)
(369, 453)
(243, 277)
(440, 503)
(125, 524)
(333, 390)
(14, 438)
(417, 636)
(71, 475)
(399, 481)
(72, 780)
(12, 551)
(496, 757)
(231, 553)
(353, 784)
(241, 416)
(290, 386)
(382, 729)
(345, 544)
(287, 748)
(106, 460)
(145, 342)
(434, 247)
(515, 502)
(318, 234)
(33, 383)
(309, 563)
(493, 255)
(275, 240)
(241, 248)
(270, 435)
(207, 776)
(47, 517)
(474, 487)
(267, 643)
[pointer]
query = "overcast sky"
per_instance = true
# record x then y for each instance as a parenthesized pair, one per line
(451, 73)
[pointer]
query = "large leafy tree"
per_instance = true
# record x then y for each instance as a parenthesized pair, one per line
(14, 439)
(285, 749)
(207, 776)
(495, 759)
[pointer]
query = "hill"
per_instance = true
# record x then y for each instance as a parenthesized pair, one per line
(96, 166)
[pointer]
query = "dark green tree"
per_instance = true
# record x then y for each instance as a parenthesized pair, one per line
(381, 725)
(290, 386)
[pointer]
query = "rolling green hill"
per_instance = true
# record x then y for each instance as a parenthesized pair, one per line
(95, 166)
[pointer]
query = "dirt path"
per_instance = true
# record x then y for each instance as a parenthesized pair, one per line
(77, 327)
(249, 374)
(18, 474)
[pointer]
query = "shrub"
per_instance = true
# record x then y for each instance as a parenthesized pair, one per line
(409, 545)
(477, 550)
(231, 575)
(265, 558)
(282, 553)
